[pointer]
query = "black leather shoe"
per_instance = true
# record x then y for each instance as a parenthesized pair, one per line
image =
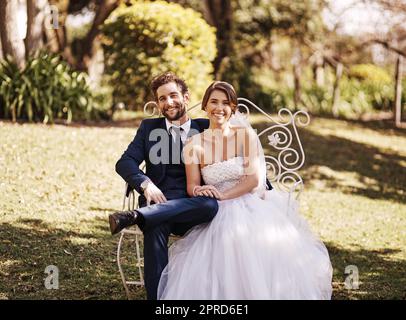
(122, 219)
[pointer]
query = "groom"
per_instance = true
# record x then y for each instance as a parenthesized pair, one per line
(164, 205)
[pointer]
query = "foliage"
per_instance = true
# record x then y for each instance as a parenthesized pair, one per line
(46, 89)
(256, 21)
(265, 32)
(145, 39)
(367, 88)
(370, 73)
(364, 96)
(318, 100)
(293, 18)
(358, 96)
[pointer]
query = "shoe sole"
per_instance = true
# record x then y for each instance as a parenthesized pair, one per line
(113, 225)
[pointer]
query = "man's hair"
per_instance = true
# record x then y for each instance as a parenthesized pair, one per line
(227, 88)
(165, 78)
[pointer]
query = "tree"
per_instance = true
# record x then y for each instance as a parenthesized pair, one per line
(12, 44)
(393, 14)
(80, 52)
(257, 20)
(218, 13)
(87, 46)
(1, 50)
(35, 25)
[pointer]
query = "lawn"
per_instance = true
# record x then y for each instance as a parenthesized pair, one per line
(58, 185)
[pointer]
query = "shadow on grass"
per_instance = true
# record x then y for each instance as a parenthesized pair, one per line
(339, 154)
(384, 124)
(86, 262)
(380, 276)
(89, 270)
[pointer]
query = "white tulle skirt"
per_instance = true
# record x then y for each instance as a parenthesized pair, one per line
(252, 249)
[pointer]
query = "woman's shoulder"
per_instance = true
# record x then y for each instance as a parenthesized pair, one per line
(194, 142)
(196, 138)
(193, 146)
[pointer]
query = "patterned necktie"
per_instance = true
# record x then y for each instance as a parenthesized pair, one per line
(177, 133)
(177, 145)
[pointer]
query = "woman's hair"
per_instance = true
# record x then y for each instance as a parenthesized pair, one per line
(227, 88)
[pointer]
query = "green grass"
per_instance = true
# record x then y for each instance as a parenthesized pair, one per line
(58, 185)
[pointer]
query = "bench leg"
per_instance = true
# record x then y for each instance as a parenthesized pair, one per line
(127, 292)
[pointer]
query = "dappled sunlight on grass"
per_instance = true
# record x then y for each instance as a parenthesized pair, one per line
(385, 140)
(379, 273)
(321, 175)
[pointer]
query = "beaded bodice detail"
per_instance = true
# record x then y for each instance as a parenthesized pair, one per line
(224, 174)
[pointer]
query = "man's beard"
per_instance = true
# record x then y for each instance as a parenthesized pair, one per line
(179, 113)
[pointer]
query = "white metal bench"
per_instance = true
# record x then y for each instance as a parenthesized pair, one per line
(285, 157)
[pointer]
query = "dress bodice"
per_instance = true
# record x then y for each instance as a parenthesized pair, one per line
(224, 174)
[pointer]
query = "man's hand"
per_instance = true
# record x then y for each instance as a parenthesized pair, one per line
(153, 194)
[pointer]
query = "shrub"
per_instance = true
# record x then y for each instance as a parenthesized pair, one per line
(46, 89)
(318, 100)
(145, 39)
(366, 95)
(370, 73)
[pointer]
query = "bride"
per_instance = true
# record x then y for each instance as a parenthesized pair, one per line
(257, 247)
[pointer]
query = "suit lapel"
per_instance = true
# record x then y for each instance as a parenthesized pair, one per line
(161, 125)
(194, 126)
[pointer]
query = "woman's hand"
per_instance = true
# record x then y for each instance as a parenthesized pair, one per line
(208, 191)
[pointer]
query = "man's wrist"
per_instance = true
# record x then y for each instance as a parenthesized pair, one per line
(145, 184)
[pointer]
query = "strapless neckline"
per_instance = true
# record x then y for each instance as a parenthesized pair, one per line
(221, 162)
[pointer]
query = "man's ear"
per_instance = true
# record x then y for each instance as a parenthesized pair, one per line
(186, 97)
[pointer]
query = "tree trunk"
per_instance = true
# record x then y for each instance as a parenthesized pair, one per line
(62, 39)
(398, 92)
(88, 46)
(35, 25)
(51, 38)
(319, 69)
(336, 89)
(12, 43)
(296, 76)
(56, 35)
(218, 13)
(1, 50)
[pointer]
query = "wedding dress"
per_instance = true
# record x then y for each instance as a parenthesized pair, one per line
(257, 247)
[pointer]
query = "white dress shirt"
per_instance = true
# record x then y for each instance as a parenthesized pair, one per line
(183, 133)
